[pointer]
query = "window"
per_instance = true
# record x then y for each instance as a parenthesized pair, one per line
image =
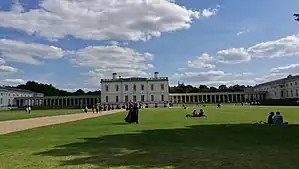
(126, 87)
(1, 101)
(142, 98)
(162, 97)
(274, 93)
(134, 98)
(291, 84)
(297, 94)
(107, 88)
(162, 86)
(107, 99)
(152, 86)
(295, 83)
(287, 93)
(134, 87)
(142, 87)
(281, 93)
(291, 93)
(152, 98)
(126, 98)
(116, 88)
(116, 99)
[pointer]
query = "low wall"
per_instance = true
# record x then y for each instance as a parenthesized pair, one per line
(280, 102)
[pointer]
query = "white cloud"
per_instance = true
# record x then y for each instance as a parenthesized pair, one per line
(103, 19)
(2, 61)
(106, 60)
(215, 78)
(288, 69)
(17, 7)
(233, 55)
(202, 62)
(8, 69)
(287, 46)
(11, 82)
(30, 53)
(243, 32)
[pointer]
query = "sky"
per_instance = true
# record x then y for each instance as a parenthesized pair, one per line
(74, 44)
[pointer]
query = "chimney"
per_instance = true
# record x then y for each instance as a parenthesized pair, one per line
(114, 75)
(156, 75)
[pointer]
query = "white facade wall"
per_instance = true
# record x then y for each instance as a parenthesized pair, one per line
(7, 96)
(145, 91)
(281, 89)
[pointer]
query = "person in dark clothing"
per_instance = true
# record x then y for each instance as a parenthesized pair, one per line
(129, 116)
(278, 119)
(270, 118)
(132, 116)
(196, 114)
(201, 113)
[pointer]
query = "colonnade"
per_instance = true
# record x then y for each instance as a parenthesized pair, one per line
(223, 97)
(58, 101)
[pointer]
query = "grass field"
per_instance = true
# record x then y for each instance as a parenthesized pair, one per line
(225, 139)
(14, 115)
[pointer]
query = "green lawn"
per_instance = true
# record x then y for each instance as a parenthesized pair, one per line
(14, 115)
(225, 139)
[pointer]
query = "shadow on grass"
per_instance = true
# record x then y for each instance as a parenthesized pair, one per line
(204, 146)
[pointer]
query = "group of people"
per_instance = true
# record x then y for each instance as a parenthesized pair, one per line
(28, 109)
(132, 116)
(197, 114)
(274, 119)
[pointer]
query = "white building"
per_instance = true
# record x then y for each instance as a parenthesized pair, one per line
(286, 88)
(8, 96)
(151, 91)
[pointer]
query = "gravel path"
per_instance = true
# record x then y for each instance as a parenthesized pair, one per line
(25, 124)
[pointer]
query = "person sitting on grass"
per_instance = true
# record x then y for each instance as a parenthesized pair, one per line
(278, 119)
(196, 114)
(270, 119)
(201, 113)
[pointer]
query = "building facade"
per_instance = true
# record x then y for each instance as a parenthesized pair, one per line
(286, 88)
(120, 90)
(207, 97)
(8, 96)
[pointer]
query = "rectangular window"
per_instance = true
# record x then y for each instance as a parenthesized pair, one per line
(142, 98)
(134, 98)
(292, 93)
(134, 87)
(142, 87)
(152, 86)
(126, 87)
(126, 98)
(297, 94)
(107, 99)
(162, 98)
(152, 98)
(281, 93)
(162, 86)
(116, 88)
(295, 83)
(107, 88)
(287, 93)
(116, 99)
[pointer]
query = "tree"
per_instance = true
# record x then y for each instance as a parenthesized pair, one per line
(50, 90)
(222, 88)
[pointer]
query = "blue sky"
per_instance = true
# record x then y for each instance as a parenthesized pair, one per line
(73, 44)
